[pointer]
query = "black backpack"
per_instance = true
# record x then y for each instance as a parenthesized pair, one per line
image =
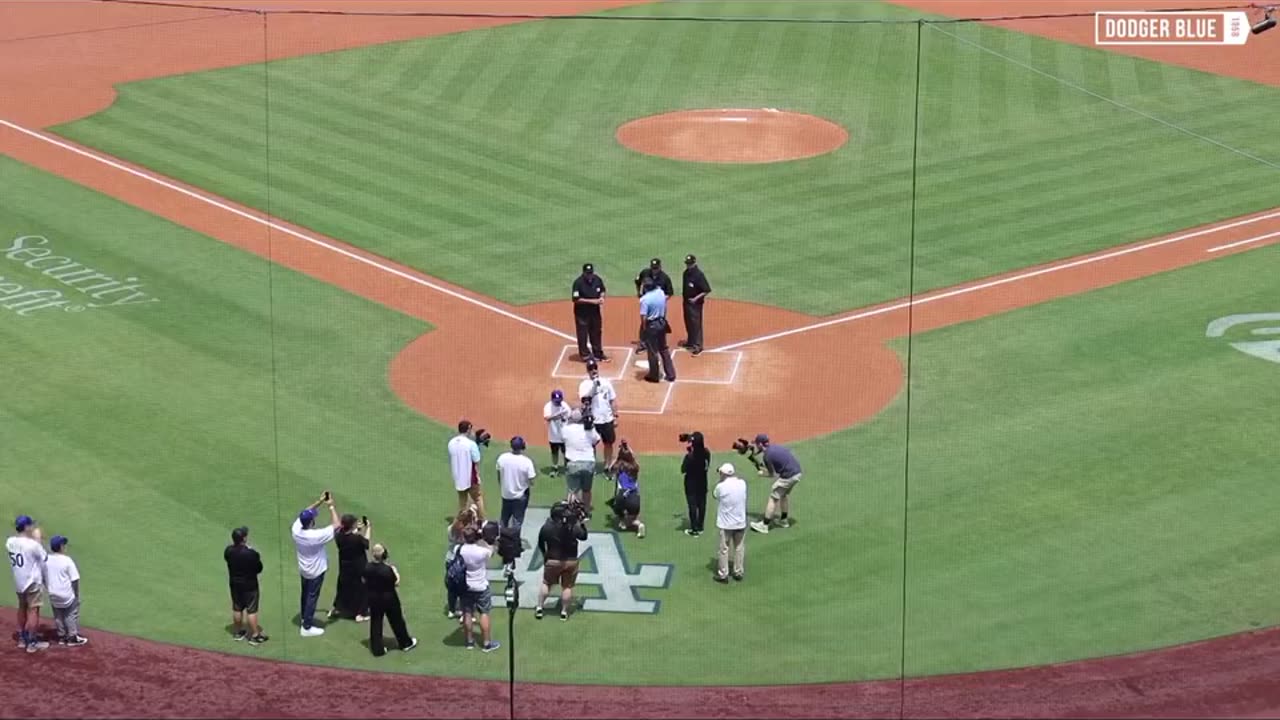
(455, 571)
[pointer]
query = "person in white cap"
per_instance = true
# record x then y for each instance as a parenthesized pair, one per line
(731, 518)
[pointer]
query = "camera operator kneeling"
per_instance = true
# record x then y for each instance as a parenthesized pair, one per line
(380, 582)
(626, 499)
(558, 543)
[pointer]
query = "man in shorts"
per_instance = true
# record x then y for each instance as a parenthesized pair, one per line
(780, 464)
(558, 543)
(27, 558)
(580, 451)
(477, 601)
(556, 413)
(244, 564)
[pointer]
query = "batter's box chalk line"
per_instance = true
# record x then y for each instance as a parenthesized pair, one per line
(563, 365)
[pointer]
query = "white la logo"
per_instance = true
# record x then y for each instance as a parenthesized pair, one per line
(603, 549)
(1265, 349)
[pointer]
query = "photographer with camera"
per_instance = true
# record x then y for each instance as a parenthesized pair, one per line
(352, 540)
(626, 498)
(695, 467)
(476, 600)
(580, 440)
(778, 462)
(558, 543)
(464, 465)
(380, 581)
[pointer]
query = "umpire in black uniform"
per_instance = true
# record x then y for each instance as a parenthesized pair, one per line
(695, 291)
(588, 297)
(660, 278)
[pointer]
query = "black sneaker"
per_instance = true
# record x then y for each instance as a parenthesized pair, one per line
(691, 532)
(242, 635)
(722, 580)
(603, 358)
(564, 615)
(696, 351)
(537, 613)
(413, 644)
(738, 577)
(258, 639)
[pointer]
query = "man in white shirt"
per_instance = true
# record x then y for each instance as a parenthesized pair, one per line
(604, 407)
(27, 558)
(580, 452)
(515, 477)
(64, 593)
(313, 560)
(476, 601)
(556, 413)
(464, 465)
(731, 519)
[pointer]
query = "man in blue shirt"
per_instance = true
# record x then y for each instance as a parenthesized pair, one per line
(653, 313)
(781, 465)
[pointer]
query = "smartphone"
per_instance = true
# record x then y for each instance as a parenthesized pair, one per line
(364, 519)
(326, 496)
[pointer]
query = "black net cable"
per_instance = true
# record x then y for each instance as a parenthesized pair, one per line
(660, 18)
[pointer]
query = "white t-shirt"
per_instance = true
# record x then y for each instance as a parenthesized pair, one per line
(731, 494)
(601, 399)
(61, 571)
(27, 558)
(580, 443)
(464, 459)
(515, 474)
(555, 415)
(476, 558)
(313, 560)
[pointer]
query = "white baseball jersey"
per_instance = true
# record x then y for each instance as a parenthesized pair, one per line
(464, 460)
(27, 558)
(515, 474)
(602, 396)
(62, 573)
(555, 415)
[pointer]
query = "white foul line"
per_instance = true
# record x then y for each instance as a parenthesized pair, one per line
(1246, 241)
(288, 231)
(964, 290)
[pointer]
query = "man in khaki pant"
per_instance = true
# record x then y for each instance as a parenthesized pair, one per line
(731, 518)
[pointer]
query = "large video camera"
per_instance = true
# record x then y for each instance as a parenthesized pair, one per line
(483, 437)
(751, 450)
(569, 512)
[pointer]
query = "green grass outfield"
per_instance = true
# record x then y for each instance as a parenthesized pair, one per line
(1086, 476)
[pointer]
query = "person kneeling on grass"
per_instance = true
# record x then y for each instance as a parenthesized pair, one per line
(243, 566)
(476, 601)
(626, 499)
(380, 582)
(64, 593)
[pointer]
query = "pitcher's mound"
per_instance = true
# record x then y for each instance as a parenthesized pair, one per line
(762, 135)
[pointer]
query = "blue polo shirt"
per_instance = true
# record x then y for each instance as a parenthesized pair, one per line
(653, 304)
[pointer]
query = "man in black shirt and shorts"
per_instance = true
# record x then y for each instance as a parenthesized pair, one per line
(588, 297)
(558, 544)
(243, 566)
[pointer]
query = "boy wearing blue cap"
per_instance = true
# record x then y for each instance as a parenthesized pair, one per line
(64, 593)
(27, 558)
(515, 476)
(556, 413)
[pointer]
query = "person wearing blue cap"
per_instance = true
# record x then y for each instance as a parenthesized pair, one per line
(515, 476)
(556, 413)
(27, 558)
(313, 560)
(781, 465)
(64, 593)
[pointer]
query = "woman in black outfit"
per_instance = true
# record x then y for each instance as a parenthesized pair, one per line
(695, 466)
(380, 580)
(353, 547)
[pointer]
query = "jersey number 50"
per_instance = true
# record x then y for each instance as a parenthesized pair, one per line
(16, 560)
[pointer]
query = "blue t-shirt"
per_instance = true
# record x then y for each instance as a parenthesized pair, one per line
(653, 304)
(779, 460)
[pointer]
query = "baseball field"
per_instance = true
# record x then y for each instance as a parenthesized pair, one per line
(1017, 320)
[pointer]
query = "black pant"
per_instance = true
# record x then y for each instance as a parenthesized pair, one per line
(386, 605)
(695, 494)
(655, 344)
(693, 324)
(589, 325)
(350, 600)
(310, 598)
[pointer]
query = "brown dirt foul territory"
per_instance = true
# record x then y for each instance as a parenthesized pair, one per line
(759, 135)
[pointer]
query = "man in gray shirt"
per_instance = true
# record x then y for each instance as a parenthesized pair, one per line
(780, 464)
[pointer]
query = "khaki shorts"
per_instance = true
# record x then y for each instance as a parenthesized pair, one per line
(30, 598)
(782, 487)
(560, 572)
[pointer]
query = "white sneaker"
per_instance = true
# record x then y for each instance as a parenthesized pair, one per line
(640, 530)
(760, 527)
(312, 631)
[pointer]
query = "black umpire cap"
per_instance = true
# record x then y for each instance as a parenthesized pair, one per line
(690, 259)
(655, 263)
(588, 268)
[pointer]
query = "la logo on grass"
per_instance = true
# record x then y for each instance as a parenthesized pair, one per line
(1265, 349)
(603, 550)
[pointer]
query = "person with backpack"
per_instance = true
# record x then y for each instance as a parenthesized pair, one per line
(457, 531)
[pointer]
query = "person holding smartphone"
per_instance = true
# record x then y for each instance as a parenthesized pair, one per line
(313, 561)
(353, 554)
(381, 580)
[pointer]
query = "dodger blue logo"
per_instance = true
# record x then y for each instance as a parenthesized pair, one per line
(1266, 349)
(619, 584)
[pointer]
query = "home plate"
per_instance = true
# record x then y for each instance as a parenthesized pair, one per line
(642, 364)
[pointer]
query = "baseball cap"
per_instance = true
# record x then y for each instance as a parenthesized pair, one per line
(22, 522)
(592, 365)
(307, 515)
(517, 443)
(557, 395)
(690, 259)
(727, 469)
(762, 439)
(588, 268)
(57, 543)
(655, 263)
(239, 534)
